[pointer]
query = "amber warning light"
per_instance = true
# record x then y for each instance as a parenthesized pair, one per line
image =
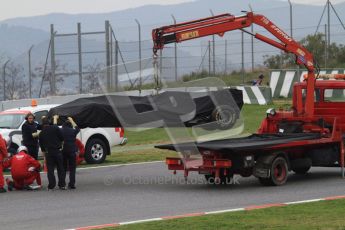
(33, 103)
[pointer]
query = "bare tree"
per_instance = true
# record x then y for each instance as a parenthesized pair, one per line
(94, 79)
(2, 58)
(44, 75)
(16, 87)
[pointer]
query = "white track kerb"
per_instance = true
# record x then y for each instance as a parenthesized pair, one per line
(249, 208)
(107, 166)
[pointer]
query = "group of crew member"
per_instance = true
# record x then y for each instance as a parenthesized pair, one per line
(59, 147)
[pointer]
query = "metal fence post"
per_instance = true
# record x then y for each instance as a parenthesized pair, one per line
(139, 32)
(329, 23)
(209, 57)
(107, 53)
(242, 51)
(252, 42)
(30, 72)
(111, 57)
(52, 60)
(45, 69)
(80, 60)
(160, 66)
(291, 27)
(175, 50)
(214, 49)
(4, 79)
(226, 57)
(116, 65)
(214, 55)
(326, 42)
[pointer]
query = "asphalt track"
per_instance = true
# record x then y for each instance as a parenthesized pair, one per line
(131, 192)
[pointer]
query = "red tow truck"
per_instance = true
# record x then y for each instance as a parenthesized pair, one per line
(309, 134)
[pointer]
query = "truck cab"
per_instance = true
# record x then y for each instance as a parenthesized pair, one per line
(97, 141)
(329, 105)
(329, 100)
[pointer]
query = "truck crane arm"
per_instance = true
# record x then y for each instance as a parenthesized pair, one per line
(223, 23)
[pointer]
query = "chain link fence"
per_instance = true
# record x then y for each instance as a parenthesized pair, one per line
(82, 61)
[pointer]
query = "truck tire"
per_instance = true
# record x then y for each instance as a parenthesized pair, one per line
(279, 173)
(224, 116)
(95, 151)
(301, 171)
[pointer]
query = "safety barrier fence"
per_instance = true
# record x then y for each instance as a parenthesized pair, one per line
(281, 81)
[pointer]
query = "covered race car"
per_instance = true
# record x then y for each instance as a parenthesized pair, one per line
(169, 108)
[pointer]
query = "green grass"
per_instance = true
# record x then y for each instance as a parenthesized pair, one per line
(157, 135)
(252, 116)
(134, 156)
(232, 79)
(235, 78)
(318, 215)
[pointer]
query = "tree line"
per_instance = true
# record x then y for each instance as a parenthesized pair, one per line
(14, 79)
(326, 57)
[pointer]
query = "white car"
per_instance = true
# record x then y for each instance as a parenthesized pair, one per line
(97, 141)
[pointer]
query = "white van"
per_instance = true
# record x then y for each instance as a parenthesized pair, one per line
(97, 141)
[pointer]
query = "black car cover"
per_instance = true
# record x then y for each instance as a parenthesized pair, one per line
(170, 108)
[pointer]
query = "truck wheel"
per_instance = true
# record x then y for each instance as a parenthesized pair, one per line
(301, 171)
(95, 151)
(224, 116)
(279, 173)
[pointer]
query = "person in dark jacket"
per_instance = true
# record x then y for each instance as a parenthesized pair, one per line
(30, 131)
(51, 140)
(70, 131)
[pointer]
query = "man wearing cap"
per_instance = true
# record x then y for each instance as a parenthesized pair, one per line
(24, 170)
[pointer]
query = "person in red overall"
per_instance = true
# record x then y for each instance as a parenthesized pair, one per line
(81, 151)
(24, 170)
(3, 156)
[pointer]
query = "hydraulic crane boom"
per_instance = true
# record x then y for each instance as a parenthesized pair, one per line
(226, 22)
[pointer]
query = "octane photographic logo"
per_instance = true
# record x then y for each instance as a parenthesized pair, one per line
(109, 180)
(173, 107)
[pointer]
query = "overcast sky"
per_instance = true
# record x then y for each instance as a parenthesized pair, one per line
(22, 8)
